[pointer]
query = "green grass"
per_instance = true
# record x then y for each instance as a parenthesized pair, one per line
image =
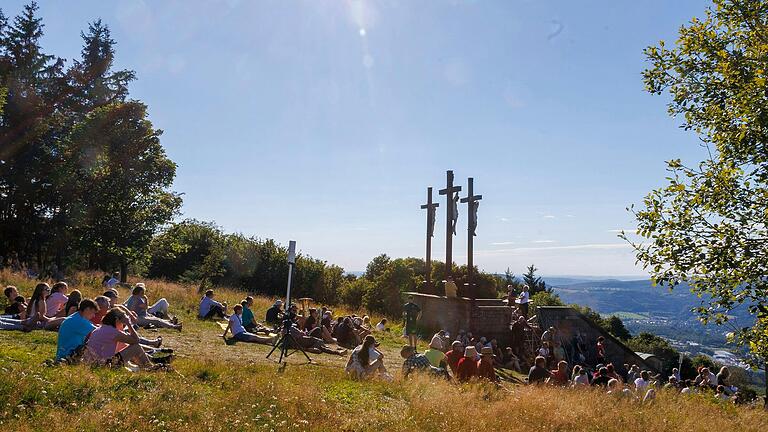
(215, 387)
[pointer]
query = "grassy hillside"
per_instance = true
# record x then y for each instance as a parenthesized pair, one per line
(220, 387)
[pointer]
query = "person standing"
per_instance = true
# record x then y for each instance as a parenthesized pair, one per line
(411, 314)
(450, 287)
(522, 301)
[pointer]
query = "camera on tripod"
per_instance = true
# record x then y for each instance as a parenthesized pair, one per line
(287, 341)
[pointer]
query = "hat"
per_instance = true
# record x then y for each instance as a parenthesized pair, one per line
(406, 351)
(140, 285)
(470, 351)
(436, 343)
(278, 302)
(486, 350)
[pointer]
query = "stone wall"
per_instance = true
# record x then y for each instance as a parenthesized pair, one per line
(569, 321)
(484, 317)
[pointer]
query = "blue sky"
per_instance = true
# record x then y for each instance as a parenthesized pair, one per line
(325, 121)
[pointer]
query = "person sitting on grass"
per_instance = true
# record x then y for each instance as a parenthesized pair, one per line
(642, 383)
(382, 325)
(238, 330)
(56, 300)
(137, 303)
(210, 308)
(345, 334)
(602, 377)
(115, 342)
(311, 322)
(104, 306)
(15, 307)
(485, 365)
(453, 356)
(467, 367)
(113, 295)
(415, 362)
(539, 374)
(366, 361)
(36, 317)
(435, 353)
(613, 374)
(249, 321)
(580, 377)
(510, 360)
(274, 314)
(73, 302)
(560, 375)
(159, 308)
(75, 329)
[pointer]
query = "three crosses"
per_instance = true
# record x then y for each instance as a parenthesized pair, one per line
(451, 193)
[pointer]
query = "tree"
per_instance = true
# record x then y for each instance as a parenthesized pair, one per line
(128, 178)
(707, 226)
(652, 344)
(377, 267)
(535, 283)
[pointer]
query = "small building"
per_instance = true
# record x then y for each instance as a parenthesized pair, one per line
(652, 360)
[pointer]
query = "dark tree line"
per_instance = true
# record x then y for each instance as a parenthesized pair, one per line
(84, 180)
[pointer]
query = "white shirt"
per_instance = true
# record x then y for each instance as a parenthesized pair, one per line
(236, 324)
(380, 327)
(523, 298)
(112, 282)
(205, 305)
(640, 384)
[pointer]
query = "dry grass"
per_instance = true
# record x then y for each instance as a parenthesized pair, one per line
(219, 387)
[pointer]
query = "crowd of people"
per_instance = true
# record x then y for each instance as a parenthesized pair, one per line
(104, 331)
(94, 331)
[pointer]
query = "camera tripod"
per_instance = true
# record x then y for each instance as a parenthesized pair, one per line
(287, 343)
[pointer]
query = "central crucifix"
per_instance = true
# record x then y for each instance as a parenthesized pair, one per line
(451, 193)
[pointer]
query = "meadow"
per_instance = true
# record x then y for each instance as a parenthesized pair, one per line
(214, 386)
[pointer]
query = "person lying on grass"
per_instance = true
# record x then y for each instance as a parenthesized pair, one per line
(115, 342)
(238, 331)
(313, 344)
(138, 304)
(366, 361)
(16, 303)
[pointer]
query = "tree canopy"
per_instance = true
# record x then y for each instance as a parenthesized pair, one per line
(707, 226)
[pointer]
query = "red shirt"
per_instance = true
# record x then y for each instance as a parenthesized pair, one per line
(559, 378)
(485, 370)
(466, 369)
(452, 358)
(98, 316)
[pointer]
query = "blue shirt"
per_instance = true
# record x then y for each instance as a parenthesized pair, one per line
(72, 333)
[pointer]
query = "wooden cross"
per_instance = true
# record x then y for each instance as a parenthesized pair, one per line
(451, 216)
(472, 203)
(431, 208)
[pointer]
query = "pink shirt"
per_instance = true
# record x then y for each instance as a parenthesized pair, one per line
(103, 342)
(54, 303)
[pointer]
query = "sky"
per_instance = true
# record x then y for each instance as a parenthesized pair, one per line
(324, 121)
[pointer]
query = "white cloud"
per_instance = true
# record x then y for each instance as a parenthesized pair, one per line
(618, 231)
(543, 241)
(504, 219)
(549, 216)
(505, 243)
